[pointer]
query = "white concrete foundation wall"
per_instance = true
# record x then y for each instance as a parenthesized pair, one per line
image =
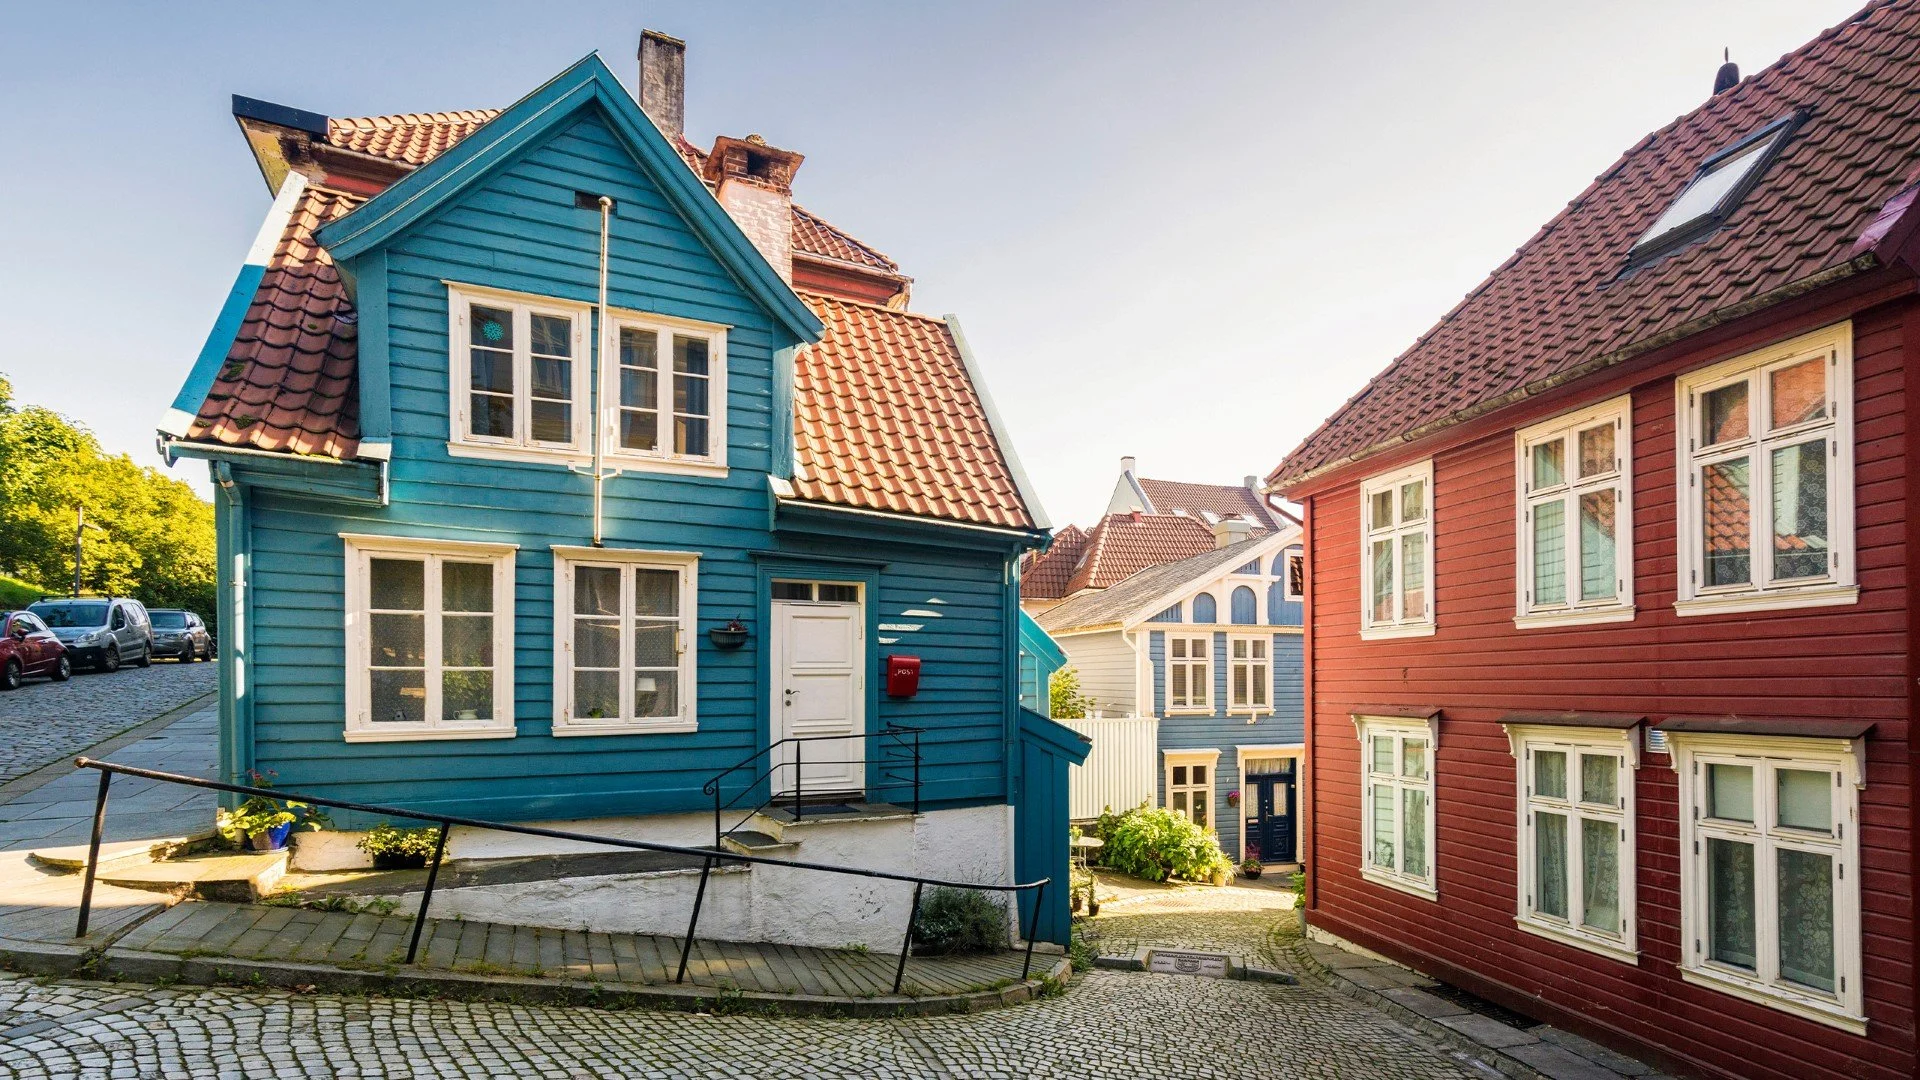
(765, 903)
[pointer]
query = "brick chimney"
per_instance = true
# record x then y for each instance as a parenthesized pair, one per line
(663, 82)
(754, 181)
(1230, 532)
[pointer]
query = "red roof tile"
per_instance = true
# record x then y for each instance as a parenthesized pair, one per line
(1044, 574)
(412, 138)
(815, 235)
(1196, 500)
(885, 417)
(1562, 304)
(1122, 545)
(289, 381)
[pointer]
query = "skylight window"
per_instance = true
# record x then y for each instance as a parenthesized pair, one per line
(1715, 190)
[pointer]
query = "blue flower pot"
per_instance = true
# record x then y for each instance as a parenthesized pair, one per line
(272, 840)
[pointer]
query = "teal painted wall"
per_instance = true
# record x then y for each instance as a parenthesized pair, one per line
(1041, 850)
(1040, 657)
(519, 230)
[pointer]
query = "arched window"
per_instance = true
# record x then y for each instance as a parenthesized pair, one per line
(1204, 609)
(1245, 607)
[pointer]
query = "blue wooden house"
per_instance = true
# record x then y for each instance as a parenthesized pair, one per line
(563, 464)
(1193, 671)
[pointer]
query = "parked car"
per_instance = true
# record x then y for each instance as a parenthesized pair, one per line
(100, 632)
(180, 635)
(28, 649)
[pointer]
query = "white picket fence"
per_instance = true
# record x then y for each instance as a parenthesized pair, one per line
(1119, 771)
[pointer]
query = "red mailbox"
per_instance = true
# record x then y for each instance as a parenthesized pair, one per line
(903, 676)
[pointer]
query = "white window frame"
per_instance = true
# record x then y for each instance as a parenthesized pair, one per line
(1845, 758)
(1262, 664)
(462, 442)
(1287, 562)
(1203, 664)
(360, 725)
(1620, 744)
(1400, 729)
(1400, 625)
(714, 462)
(1188, 759)
(1566, 431)
(1760, 593)
(566, 560)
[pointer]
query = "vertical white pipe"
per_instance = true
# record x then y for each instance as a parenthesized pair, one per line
(595, 374)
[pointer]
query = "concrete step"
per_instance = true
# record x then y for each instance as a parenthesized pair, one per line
(472, 873)
(778, 821)
(754, 842)
(235, 878)
(73, 858)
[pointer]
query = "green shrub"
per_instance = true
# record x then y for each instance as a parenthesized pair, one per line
(1155, 843)
(958, 921)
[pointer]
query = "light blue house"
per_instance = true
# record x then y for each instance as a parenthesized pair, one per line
(563, 465)
(1193, 668)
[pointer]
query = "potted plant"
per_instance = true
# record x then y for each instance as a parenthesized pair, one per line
(731, 636)
(1250, 867)
(262, 823)
(1233, 797)
(399, 849)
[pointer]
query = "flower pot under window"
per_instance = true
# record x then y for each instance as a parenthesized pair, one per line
(270, 840)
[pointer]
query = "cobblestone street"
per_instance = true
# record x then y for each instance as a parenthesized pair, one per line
(45, 721)
(1118, 1025)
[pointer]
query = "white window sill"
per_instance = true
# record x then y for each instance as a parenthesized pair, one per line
(581, 459)
(1578, 617)
(1566, 935)
(426, 734)
(1385, 633)
(1199, 710)
(1769, 600)
(647, 727)
(1826, 1013)
(1421, 889)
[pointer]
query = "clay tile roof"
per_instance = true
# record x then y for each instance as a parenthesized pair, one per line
(885, 417)
(1044, 574)
(816, 236)
(1562, 305)
(1221, 500)
(1122, 545)
(289, 381)
(1125, 598)
(413, 138)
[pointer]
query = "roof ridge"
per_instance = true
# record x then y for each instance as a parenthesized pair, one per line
(847, 301)
(433, 115)
(874, 251)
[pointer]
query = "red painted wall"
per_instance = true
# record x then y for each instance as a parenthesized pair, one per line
(1845, 662)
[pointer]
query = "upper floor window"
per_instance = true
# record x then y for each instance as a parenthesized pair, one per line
(1396, 802)
(1249, 675)
(1189, 672)
(1766, 485)
(518, 372)
(1396, 553)
(1294, 575)
(667, 400)
(1770, 872)
(1205, 609)
(1577, 835)
(1576, 518)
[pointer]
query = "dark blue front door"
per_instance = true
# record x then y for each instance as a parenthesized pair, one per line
(1270, 832)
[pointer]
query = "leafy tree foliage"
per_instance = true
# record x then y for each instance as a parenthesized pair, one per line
(1065, 700)
(155, 539)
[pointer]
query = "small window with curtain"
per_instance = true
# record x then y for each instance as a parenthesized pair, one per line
(1189, 782)
(1396, 553)
(1576, 842)
(668, 392)
(1576, 518)
(1396, 803)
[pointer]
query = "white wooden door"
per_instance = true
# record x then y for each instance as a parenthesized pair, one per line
(819, 688)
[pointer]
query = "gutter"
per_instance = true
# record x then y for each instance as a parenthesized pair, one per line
(172, 449)
(1851, 268)
(1033, 536)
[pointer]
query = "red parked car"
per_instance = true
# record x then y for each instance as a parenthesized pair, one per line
(28, 648)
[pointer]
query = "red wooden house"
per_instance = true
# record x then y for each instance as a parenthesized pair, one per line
(1612, 622)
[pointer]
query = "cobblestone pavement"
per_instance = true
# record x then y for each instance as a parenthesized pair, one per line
(44, 721)
(1108, 1026)
(1248, 920)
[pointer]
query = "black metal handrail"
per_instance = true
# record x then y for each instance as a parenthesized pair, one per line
(709, 857)
(903, 736)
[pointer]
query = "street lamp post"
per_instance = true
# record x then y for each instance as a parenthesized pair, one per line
(79, 551)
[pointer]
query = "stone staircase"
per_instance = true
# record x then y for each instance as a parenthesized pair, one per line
(178, 866)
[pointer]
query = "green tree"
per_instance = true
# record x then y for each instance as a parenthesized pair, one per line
(155, 537)
(1064, 699)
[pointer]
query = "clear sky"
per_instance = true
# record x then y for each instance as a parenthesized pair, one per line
(1183, 232)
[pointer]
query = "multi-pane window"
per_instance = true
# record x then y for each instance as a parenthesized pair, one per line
(429, 639)
(1296, 576)
(1396, 803)
(519, 371)
(624, 644)
(1189, 672)
(1767, 478)
(1190, 786)
(1249, 674)
(669, 392)
(1396, 553)
(1576, 519)
(1770, 879)
(1576, 836)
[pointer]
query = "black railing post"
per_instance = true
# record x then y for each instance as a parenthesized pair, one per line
(799, 778)
(913, 916)
(433, 874)
(93, 854)
(1033, 931)
(699, 897)
(916, 772)
(716, 815)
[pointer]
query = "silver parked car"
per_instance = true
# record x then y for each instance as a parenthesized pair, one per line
(181, 635)
(100, 632)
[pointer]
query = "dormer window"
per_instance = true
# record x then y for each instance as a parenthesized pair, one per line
(1714, 192)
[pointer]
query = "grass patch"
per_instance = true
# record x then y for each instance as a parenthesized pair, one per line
(15, 593)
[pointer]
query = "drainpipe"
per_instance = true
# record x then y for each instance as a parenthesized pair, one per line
(593, 377)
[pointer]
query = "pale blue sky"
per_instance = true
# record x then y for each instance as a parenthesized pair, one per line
(1182, 232)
